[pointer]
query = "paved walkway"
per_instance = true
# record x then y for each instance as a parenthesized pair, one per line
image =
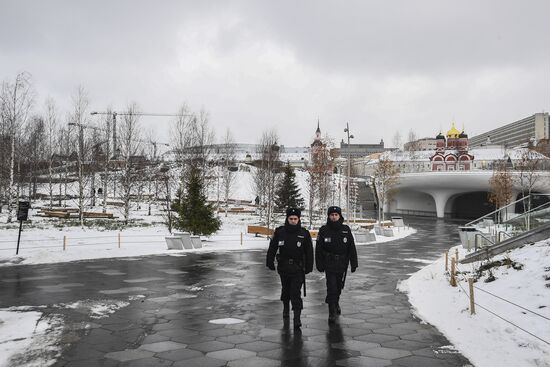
(172, 300)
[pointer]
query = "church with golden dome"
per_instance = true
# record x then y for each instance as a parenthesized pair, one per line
(451, 153)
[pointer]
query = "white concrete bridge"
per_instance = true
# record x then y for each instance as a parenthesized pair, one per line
(448, 192)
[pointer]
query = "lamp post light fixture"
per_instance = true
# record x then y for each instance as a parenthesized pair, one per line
(346, 130)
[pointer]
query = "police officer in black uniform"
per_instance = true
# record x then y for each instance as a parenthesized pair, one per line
(292, 246)
(334, 251)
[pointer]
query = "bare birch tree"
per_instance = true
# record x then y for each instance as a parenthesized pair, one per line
(16, 100)
(228, 161)
(52, 141)
(500, 186)
(130, 145)
(385, 179)
(79, 119)
(529, 175)
(265, 175)
(181, 140)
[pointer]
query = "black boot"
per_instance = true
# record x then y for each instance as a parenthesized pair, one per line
(331, 313)
(297, 321)
(338, 309)
(286, 310)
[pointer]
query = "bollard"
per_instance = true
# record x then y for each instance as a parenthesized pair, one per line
(241, 238)
(64, 243)
(118, 239)
(472, 302)
(446, 260)
(453, 267)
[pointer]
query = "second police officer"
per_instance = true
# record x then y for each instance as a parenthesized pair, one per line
(334, 252)
(291, 245)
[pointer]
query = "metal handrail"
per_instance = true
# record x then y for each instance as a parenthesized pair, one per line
(504, 207)
(500, 232)
(482, 235)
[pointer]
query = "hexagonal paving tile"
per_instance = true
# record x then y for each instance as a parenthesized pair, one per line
(129, 355)
(231, 354)
(385, 353)
(162, 346)
(179, 354)
(363, 362)
(210, 346)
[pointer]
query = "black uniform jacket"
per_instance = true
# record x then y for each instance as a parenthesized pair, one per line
(294, 245)
(335, 249)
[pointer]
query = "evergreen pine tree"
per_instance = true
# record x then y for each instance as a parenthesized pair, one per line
(195, 214)
(288, 192)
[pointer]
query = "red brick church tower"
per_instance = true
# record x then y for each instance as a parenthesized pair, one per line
(452, 154)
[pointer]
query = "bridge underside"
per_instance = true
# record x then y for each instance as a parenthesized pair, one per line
(449, 194)
(462, 205)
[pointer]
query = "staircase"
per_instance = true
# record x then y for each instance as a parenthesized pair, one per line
(365, 196)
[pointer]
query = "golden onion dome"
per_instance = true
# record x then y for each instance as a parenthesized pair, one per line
(453, 133)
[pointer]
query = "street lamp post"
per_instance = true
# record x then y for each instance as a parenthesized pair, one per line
(346, 130)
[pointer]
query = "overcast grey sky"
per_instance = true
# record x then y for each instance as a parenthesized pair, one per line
(382, 66)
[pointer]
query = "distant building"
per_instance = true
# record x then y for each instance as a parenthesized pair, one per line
(320, 159)
(535, 127)
(360, 150)
(423, 144)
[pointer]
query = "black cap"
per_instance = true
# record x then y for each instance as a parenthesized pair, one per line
(334, 209)
(293, 211)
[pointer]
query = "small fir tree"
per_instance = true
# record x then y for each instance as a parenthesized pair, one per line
(194, 213)
(288, 192)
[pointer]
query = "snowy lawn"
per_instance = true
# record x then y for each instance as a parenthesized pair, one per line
(48, 245)
(484, 338)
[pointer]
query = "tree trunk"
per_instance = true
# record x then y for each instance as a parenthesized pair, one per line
(10, 187)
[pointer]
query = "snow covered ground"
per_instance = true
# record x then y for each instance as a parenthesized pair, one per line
(28, 338)
(46, 245)
(487, 340)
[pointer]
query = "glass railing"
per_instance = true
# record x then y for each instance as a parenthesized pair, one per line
(503, 223)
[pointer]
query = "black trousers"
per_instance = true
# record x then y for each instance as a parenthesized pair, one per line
(291, 287)
(334, 286)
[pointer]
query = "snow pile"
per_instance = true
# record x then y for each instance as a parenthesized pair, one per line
(96, 309)
(28, 338)
(521, 276)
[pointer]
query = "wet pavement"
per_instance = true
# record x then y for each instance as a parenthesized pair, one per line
(223, 309)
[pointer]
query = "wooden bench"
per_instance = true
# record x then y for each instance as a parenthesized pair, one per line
(239, 211)
(98, 215)
(66, 210)
(256, 230)
(56, 214)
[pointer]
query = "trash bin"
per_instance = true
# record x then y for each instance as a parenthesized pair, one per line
(196, 241)
(467, 236)
(398, 221)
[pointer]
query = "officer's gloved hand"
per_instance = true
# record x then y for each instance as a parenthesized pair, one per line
(271, 266)
(353, 269)
(308, 271)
